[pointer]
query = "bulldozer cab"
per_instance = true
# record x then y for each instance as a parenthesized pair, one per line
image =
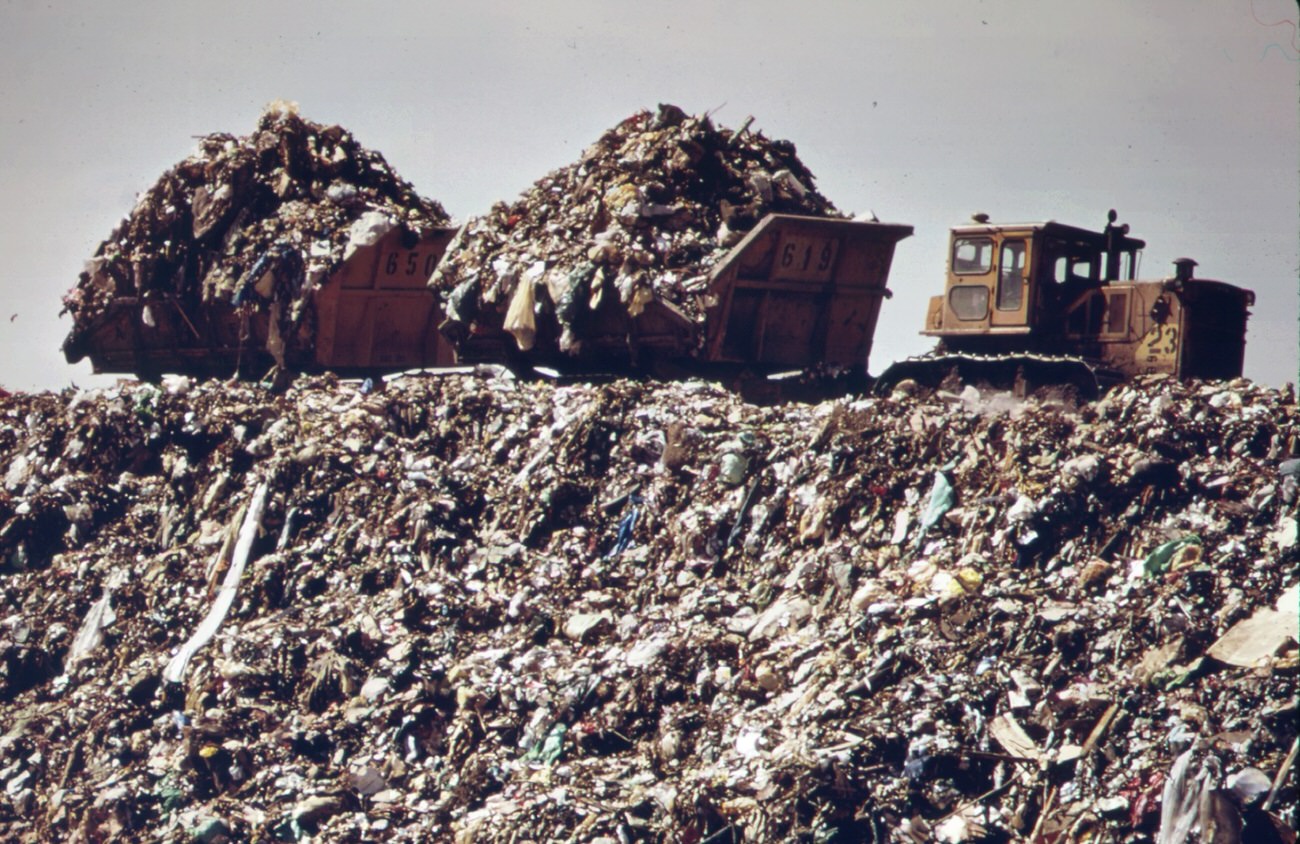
(1015, 280)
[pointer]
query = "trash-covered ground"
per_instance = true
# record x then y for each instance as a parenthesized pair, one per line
(645, 212)
(264, 217)
(467, 608)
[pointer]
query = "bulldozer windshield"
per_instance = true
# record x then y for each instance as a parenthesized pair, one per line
(972, 255)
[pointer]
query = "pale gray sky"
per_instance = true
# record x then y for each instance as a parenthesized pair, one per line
(1182, 114)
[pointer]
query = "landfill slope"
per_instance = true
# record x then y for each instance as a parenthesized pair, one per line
(643, 214)
(464, 608)
(252, 218)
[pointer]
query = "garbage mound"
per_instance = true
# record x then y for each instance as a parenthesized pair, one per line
(467, 608)
(644, 213)
(268, 214)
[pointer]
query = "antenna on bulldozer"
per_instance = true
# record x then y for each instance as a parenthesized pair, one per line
(1114, 236)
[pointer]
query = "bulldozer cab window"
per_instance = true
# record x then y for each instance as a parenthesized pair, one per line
(1068, 268)
(1128, 265)
(972, 255)
(969, 301)
(1123, 263)
(1011, 275)
(1116, 321)
(1072, 261)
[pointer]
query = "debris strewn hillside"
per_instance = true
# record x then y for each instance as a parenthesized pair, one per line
(469, 608)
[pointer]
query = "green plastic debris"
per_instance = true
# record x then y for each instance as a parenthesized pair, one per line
(211, 831)
(942, 499)
(551, 748)
(146, 404)
(171, 792)
(1162, 559)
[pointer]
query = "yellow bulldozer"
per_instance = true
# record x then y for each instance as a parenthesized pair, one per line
(1029, 305)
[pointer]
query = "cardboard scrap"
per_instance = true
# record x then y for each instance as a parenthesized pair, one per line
(1007, 732)
(1255, 640)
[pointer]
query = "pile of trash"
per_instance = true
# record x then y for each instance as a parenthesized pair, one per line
(267, 216)
(644, 213)
(469, 608)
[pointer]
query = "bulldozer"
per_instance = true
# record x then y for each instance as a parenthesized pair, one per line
(1029, 306)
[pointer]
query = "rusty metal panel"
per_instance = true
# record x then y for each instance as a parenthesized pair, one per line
(392, 263)
(851, 324)
(210, 340)
(386, 332)
(379, 330)
(798, 291)
(375, 312)
(1214, 337)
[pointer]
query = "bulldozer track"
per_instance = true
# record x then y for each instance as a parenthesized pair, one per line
(1018, 373)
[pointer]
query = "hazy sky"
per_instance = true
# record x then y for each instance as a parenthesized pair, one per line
(1181, 114)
